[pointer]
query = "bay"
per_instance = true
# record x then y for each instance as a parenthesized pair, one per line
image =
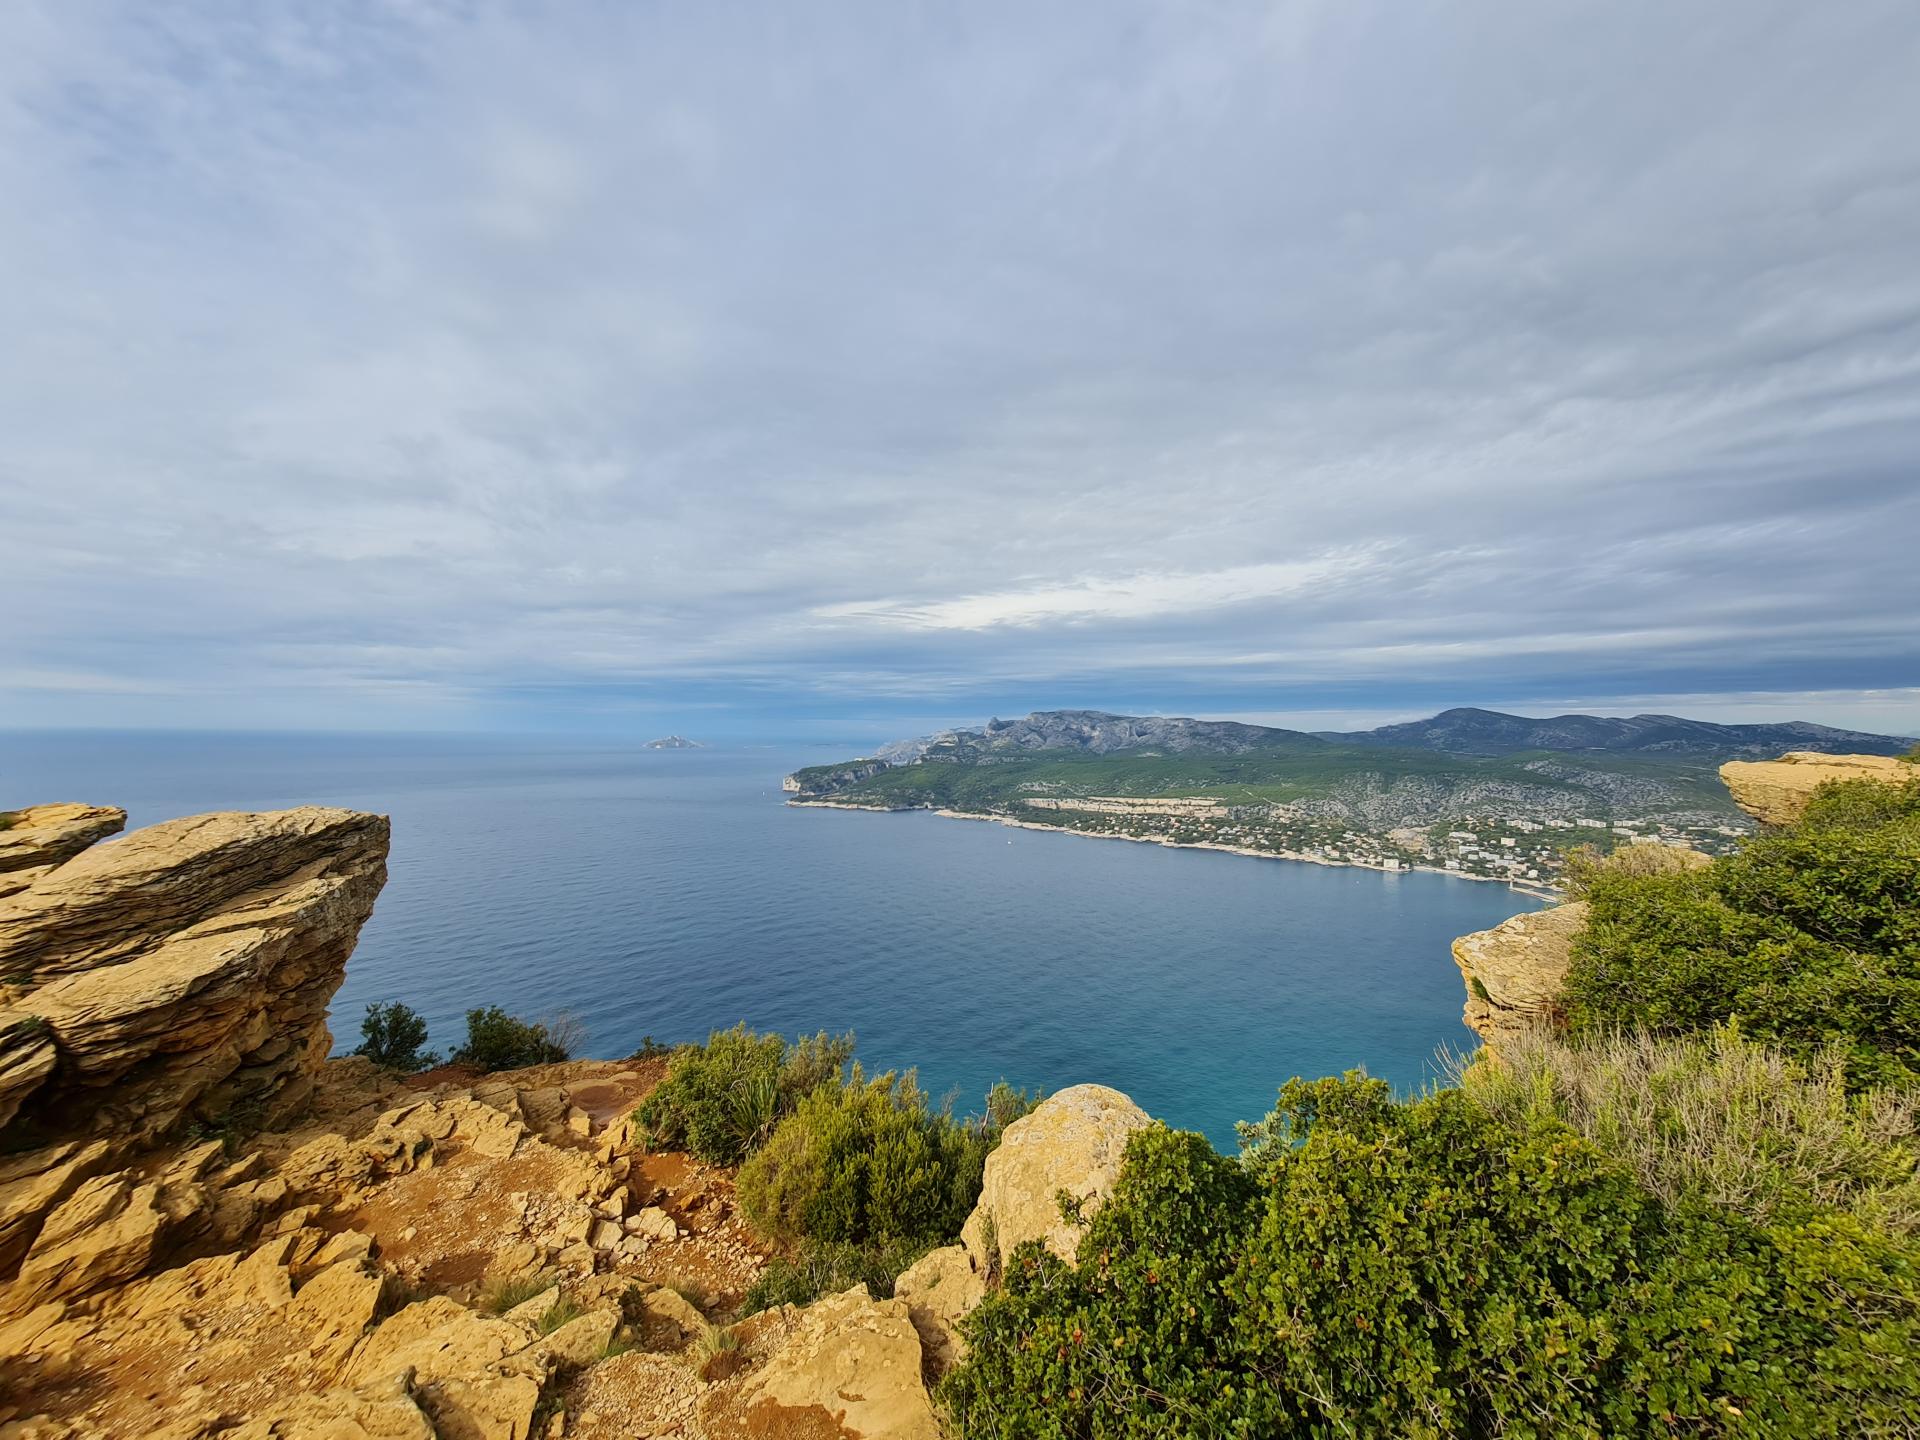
(666, 893)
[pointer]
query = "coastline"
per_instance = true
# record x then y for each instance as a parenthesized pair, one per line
(1541, 892)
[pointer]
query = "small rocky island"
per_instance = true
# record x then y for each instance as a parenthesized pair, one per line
(674, 742)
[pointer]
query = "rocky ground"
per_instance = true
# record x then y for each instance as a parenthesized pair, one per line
(490, 1259)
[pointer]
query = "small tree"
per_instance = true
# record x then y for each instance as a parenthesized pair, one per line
(499, 1041)
(391, 1036)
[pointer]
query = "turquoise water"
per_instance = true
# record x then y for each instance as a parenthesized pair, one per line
(666, 893)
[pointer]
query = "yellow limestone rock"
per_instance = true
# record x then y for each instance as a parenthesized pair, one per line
(40, 837)
(1776, 792)
(1515, 970)
(1074, 1141)
(855, 1358)
(181, 970)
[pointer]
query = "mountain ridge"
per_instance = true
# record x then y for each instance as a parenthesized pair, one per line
(1464, 730)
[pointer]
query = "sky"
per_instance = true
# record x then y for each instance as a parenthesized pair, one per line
(861, 368)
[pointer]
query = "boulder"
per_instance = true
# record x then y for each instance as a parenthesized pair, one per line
(1515, 970)
(182, 971)
(1075, 1141)
(939, 1288)
(1776, 792)
(853, 1361)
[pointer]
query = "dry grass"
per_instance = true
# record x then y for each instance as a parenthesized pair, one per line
(1719, 1118)
(501, 1296)
(715, 1340)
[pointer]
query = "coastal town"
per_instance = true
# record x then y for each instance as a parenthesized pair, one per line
(1526, 853)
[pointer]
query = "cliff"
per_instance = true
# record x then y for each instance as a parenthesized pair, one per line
(180, 973)
(1775, 792)
(1514, 972)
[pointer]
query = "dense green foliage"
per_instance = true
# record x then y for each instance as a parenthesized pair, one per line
(499, 1041)
(1429, 1269)
(1809, 935)
(864, 1162)
(391, 1036)
(721, 1100)
(815, 1268)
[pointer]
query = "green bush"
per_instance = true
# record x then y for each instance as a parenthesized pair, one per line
(864, 1162)
(721, 1100)
(1806, 936)
(1720, 1119)
(499, 1041)
(819, 1268)
(1429, 1269)
(391, 1036)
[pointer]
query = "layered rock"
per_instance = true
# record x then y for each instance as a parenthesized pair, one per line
(183, 970)
(1073, 1144)
(1776, 792)
(36, 839)
(1515, 970)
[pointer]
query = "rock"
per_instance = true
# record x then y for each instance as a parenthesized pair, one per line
(109, 1231)
(854, 1358)
(580, 1341)
(187, 968)
(653, 1223)
(382, 1409)
(33, 1185)
(1776, 792)
(1075, 1141)
(938, 1289)
(671, 1314)
(1515, 970)
(469, 1373)
(579, 1122)
(41, 837)
(334, 1309)
(606, 1235)
(27, 1056)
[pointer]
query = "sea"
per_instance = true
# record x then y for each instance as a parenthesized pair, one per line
(665, 894)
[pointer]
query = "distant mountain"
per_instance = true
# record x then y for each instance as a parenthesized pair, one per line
(1468, 731)
(673, 742)
(1095, 732)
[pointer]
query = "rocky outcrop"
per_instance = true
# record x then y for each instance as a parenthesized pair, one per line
(1074, 1144)
(34, 840)
(1515, 970)
(853, 1366)
(1776, 792)
(184, 970)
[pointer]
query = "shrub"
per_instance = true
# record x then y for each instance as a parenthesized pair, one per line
(815, 1269)
(1371, 1267)
(1807, 936)
(499, 1041)
(722, 1099)
(1720, 1119)
(865, 1161)
(391, 1036)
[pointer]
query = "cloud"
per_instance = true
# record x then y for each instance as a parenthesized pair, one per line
(1282, 356)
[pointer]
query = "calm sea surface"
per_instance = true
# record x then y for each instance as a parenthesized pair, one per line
(667, 893)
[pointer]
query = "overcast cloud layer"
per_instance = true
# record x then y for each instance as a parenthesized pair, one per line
(430, 363)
